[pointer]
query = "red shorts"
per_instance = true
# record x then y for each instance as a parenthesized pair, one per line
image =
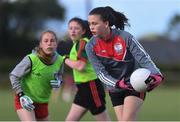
(41, 109)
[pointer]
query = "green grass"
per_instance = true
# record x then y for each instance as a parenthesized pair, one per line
(162, 104)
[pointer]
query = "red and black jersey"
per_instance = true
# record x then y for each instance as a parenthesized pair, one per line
(118, 58)
(114, 56)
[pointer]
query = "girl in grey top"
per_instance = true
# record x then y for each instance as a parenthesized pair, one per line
(115, 54)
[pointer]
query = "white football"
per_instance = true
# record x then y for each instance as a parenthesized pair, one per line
(138, 78)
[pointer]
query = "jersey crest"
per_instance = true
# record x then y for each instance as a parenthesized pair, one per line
(115, 49)
(118, 48)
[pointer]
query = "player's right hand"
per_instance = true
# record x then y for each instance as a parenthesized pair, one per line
(26, 102)
(55, 83)
(123, 85)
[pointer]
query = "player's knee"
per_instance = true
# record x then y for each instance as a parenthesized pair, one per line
(129, 117)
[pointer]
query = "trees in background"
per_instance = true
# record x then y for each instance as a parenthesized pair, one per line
(21, 20)
(174, 28)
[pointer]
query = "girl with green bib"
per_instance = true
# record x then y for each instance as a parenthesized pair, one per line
(34, 77)
(90, 95)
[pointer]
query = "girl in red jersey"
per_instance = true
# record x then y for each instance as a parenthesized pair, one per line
(115, 54)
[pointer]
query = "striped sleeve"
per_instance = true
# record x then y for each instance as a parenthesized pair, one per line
(141, 56)
(102, 74)
(18, 72)
(81, 51)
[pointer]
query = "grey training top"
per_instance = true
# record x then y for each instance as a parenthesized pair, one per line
(118, 57)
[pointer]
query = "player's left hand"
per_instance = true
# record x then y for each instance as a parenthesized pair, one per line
(156, 81)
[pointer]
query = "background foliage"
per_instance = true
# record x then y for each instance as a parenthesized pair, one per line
(21, 21)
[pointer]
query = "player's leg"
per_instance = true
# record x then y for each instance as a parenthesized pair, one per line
(132, 102)
(128, 111)
(103, 116)
(117, 99)
(97, 101)
(25, 115)
(119, 112)
(68, 88)
(75, 113)
(41, 111)
(126, 104)
(131, 107)
(79, 106)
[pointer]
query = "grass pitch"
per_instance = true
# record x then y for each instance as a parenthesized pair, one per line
(162, 104)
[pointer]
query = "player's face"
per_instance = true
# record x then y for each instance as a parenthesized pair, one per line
(75, 30)
(97, 26)
(48, 43)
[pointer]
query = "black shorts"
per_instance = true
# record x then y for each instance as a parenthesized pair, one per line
(91, 95)
(117, 98)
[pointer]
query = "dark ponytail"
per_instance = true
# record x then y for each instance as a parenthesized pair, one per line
(114, 18)
(88, 33)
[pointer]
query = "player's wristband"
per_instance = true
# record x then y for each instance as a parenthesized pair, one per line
(20, 94)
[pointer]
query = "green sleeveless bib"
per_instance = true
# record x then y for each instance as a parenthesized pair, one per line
(36, 84)
(88, 73)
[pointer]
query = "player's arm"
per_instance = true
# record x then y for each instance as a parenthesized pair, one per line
(102, 74)
(80, 63)
(18, 72)
(141, 55)
(56, 83)
(145, 61)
